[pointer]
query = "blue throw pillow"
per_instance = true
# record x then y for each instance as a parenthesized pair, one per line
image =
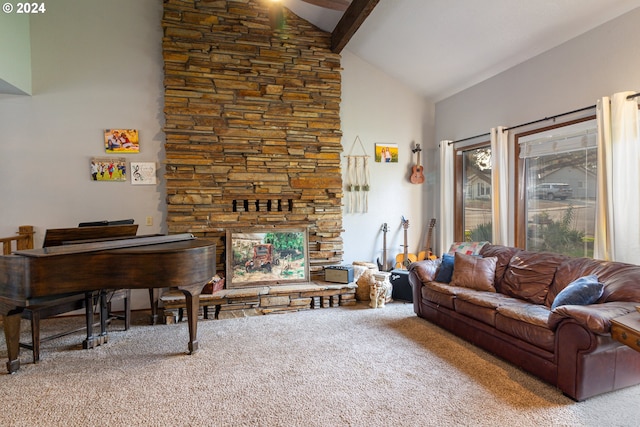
(446, 269)
(583, 291)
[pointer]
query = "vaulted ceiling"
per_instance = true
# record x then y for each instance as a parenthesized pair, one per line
(440, 47)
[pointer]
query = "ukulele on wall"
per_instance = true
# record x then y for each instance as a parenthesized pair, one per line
(382, 266)
(404, 259)
(427, 253)
(417, 175)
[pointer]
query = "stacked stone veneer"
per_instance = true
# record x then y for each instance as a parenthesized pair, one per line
(252, 126)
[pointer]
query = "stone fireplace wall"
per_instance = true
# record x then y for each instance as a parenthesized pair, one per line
(252, 126)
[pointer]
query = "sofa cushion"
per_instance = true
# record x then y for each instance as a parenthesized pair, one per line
(481, 305)
(530, 274)
(446, 269)
(620, 280)
(483, 314)
(535, 314)
(504, 254)
(529, 322)
(449, 289)
(486, 299)
(583, 291)
(531, 333)
(474, 272)
(438, 298)
(441, 293)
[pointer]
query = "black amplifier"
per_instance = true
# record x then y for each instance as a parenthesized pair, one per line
(401, 288)
(339, 273)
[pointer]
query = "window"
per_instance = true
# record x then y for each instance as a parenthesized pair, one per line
(557, 166)
(473, 193)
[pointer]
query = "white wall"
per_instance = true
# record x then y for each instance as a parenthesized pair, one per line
(15, 51)
(572, 76)
(378, 109)
(96, 65)
(601, 62)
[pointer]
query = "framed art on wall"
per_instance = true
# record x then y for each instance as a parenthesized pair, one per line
(108, 169)
(266, 257)
(121, 141)
(143, 173)
(386, 153)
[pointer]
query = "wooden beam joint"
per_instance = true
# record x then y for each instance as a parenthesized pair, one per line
(353, 17)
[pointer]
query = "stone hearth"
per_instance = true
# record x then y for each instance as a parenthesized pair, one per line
(233, 303)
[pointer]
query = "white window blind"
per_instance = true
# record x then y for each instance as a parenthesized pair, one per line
(579, 136)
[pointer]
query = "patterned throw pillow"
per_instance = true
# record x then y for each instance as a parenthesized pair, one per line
(467, 248)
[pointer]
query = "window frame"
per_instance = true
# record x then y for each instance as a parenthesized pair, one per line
(458, 200)
(520, 208)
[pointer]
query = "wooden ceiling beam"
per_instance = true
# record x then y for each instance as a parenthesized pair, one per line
(353, 17)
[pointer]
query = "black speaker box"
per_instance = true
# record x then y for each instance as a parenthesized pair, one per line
(401, 290)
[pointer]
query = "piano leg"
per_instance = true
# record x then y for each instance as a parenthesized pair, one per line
(92, 340)
(154, 296)
(104, 316)
(192, 295)
(12, 336)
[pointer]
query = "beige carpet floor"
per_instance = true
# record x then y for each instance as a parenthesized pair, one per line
(348, 366)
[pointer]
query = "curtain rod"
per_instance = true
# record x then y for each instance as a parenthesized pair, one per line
(579, 110)
(467, 139)
(528, 123)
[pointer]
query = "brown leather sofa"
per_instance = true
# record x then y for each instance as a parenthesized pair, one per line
(569, 347)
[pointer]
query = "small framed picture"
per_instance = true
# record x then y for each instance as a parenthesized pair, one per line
(143, 173)
(108, 169)
(386, 153)
(121, 141)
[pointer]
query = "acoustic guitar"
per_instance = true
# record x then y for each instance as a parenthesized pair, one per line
(417, 175)
(383, 266)
(404, 259)
(427, 253)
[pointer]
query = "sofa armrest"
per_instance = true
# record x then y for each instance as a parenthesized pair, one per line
(595, 317)
(421, 272)
(425, 270)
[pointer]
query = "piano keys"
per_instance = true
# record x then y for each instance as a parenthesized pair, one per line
(29, 277)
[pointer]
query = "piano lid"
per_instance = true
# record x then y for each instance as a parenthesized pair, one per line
(104, 245)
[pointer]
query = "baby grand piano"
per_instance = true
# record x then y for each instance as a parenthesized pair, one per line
(29, 277)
